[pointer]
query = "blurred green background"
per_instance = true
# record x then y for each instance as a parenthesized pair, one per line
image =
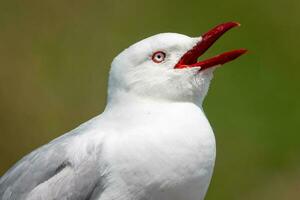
(55, 57)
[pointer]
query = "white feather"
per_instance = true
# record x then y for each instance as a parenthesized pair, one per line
(152, 142)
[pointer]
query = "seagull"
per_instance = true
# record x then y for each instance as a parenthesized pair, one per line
(152, 141)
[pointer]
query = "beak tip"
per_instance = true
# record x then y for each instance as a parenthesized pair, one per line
(244, 51)
(233, 24)
(237, 24)
(239, 52)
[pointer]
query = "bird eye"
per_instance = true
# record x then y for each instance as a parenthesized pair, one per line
(158, 57)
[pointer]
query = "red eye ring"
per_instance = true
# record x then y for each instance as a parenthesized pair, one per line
(158, 56)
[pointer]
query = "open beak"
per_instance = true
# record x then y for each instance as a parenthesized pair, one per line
(190, 58)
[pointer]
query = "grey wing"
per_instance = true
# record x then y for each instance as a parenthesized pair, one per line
(47, 173)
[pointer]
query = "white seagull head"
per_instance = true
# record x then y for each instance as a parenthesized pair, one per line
(166, 67)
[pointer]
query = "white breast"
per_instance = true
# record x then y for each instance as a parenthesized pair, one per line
(159, 151)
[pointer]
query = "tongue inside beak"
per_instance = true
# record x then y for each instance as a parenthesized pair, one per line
(189, 59)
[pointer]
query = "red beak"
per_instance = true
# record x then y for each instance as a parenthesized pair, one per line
(189, 59)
